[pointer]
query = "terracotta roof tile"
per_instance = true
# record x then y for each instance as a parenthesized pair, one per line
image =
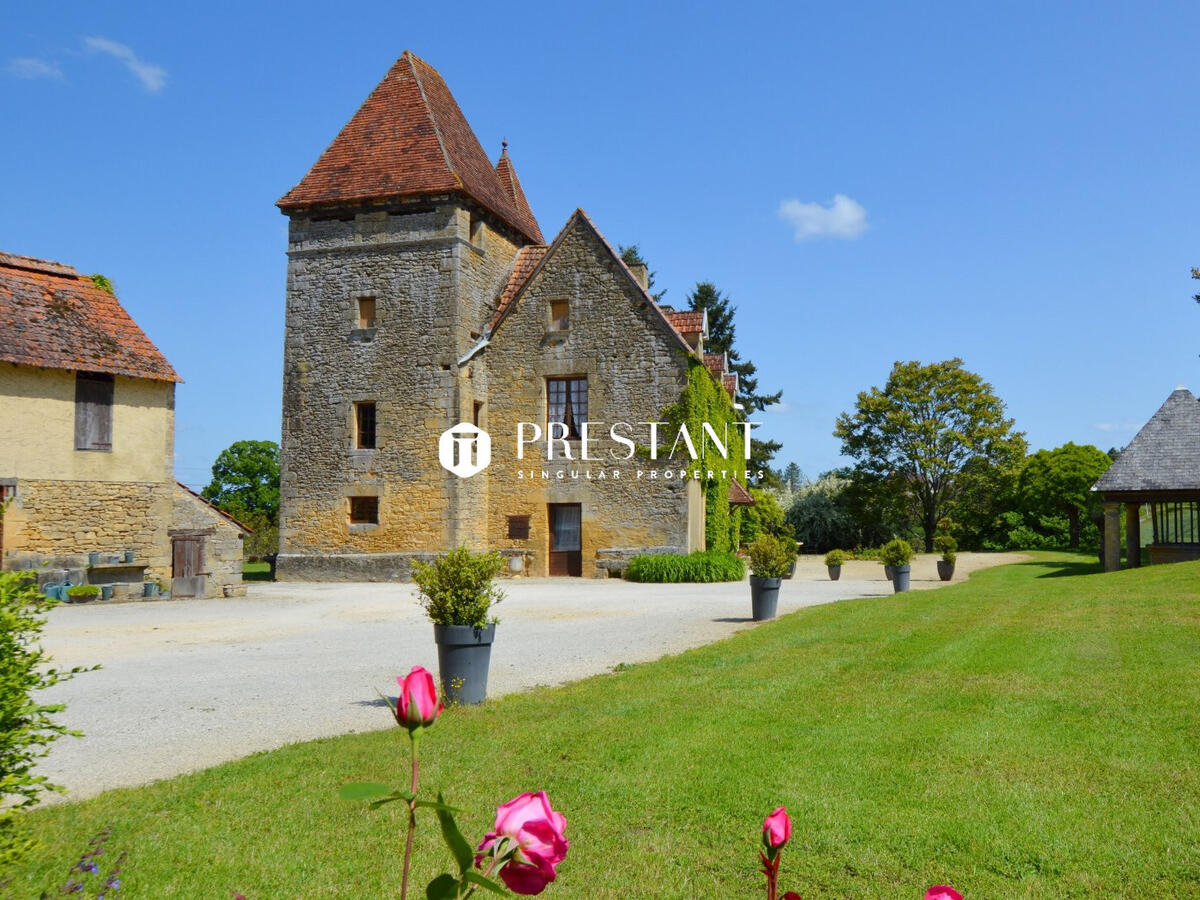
(512, 188)
(686, 321)
(54, 318)
(730, 382)
(716, 363)
(409, 139)
(738, 495)
(527, 260)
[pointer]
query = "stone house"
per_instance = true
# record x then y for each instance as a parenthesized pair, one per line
(427, 318)
(87, 442)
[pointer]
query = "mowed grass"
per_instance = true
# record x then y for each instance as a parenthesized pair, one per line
(1031, 733)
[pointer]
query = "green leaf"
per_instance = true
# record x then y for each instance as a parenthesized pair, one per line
(454, 839)
(363, 790)
(493, 886)
(444, 887)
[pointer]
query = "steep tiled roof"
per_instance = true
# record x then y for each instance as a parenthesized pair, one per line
(738, 495)
(1164, 455)
(54, 318)
(512, 188)
(527, 260)
(409, 139)
(716, 363)
(686, 321)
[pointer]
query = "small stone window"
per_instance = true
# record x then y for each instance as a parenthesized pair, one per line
(93, 411)
(477, 414)
(364, 425)
(560, 315)
(518, 528)
(366, 312)
(364, 510)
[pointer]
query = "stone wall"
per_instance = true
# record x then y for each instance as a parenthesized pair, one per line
(222, 542)
(635, 365)
(61, 522)
(432, 277)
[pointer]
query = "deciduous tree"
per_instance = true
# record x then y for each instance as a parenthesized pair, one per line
(245, 481)
(1059, 481)
(923, 428)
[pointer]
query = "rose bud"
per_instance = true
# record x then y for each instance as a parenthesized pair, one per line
(418, 705)
(942, 892)
(777, 830)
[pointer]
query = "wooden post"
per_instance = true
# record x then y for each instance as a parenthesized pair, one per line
(1112, 537)
(1133, 535)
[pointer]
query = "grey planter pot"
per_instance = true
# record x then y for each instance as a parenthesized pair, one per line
(791, 571)
(106, 591)
(945, 570)
(128, 556)
(464, 654)
(764, 597)
(900, 578)
(889, 572)
(835, 572)
(149, 589)
(93, 559)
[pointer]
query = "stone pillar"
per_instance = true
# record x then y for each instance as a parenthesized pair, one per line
(1112, 537)
(1133, 535)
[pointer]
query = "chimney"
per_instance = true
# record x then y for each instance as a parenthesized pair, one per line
(641, 274)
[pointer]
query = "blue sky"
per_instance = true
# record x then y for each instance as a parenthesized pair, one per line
(1018, 181)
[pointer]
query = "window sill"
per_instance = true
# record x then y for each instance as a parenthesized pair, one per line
(362, 526)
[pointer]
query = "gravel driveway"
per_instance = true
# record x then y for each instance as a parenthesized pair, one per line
(189, 684)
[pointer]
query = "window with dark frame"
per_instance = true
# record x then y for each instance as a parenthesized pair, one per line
(364, 425)
(560, 315)
(366, 312)
(566, 403)
(364, 510)
(518, 528)
(93, 411)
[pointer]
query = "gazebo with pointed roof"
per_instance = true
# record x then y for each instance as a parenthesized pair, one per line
(1161, 468)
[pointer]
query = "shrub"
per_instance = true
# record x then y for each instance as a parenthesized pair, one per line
(83, 590)
(26, 726)
(946, 545)
(835, 557)
(458, 587)
(896, 552)
(674, 568)
(865, 554)
(771, 557)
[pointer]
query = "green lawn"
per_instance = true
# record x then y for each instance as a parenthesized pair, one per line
(256, 571)
(1021, 735)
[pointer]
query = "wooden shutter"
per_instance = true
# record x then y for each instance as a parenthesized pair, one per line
(93, 411)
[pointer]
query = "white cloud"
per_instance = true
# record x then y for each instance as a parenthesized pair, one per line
(29, 67)
(843, 218)
(152, 77)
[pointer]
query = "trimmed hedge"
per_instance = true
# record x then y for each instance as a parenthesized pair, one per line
(670, 568)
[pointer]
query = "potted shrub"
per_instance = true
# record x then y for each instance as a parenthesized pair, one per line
(833, 561)
(898, 554)
(947, 546)
(457, 591)
(770, 558)
(82, 593)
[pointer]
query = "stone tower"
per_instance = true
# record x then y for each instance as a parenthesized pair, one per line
(400, 238)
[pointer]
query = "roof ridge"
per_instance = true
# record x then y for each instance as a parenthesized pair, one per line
(437, 128)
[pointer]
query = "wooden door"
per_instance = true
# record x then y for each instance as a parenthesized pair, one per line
(187, 566)
(566, 539)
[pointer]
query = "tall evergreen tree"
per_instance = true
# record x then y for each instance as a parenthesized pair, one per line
(632, 255)
(721, 334)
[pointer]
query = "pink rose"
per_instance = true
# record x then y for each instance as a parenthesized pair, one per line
(942, 892)
(777, 829)
(537, 831)
(418, 705)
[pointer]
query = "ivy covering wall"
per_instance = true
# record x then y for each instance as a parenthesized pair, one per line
(704, 400)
